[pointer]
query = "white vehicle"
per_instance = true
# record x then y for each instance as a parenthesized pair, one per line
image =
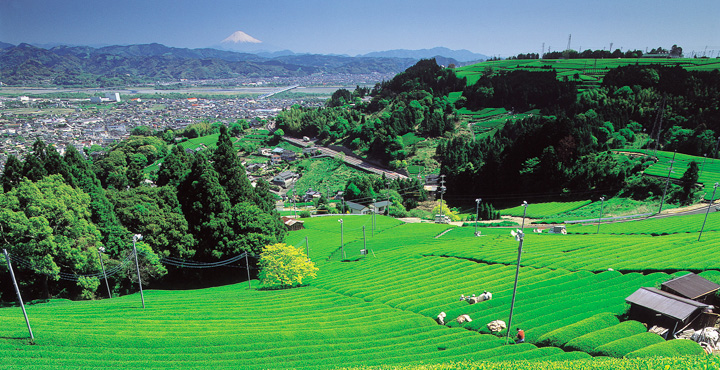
(442, 219)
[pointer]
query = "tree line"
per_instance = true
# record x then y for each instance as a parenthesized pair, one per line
(57, 211)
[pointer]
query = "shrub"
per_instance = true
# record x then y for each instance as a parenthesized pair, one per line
(284, 266)
(671, 348)
(588, 342)
(621, 347)
(559, 337)
(305, 214)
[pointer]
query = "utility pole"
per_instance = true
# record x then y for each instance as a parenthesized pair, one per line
(247, 267)
(137, 237)
(442, 191)
(373, 216)
(101, 250)
(388, 198)
(667, 182)
(520, 237)
(17, 291)
(364, 240)
(307, 248)
(477, 213)
(602, 199)
(708, 210)
(342, 244)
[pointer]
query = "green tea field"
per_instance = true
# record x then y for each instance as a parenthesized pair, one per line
(378, 310)
(586, 71)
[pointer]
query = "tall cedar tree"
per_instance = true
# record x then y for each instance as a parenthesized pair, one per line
(114, 236)
(206, 207)
(12, 174)
(231, 173)
(34, 166)
(174, 167)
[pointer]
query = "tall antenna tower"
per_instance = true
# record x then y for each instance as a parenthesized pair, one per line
(611, 50)
(569, 38)
(542, 51)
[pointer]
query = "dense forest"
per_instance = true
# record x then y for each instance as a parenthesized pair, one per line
(56, 212)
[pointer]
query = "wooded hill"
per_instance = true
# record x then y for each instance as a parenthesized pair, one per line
(562, 151)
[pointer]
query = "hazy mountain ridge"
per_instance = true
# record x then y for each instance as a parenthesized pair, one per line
(117, 65)
(122, 64)
(459, 55)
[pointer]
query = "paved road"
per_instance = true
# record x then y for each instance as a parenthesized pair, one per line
(355, 162)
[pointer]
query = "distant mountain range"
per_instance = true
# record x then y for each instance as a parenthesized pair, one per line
(26, 64)
(459, 55)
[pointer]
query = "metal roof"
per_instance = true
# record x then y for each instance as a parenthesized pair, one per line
(356, 206)
(665, 303)
(691, 286)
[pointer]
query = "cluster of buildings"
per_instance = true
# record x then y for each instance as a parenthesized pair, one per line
(316, 79)
(82, 123)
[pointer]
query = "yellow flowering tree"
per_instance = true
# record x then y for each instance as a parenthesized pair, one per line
(444, 210)
(284, 266)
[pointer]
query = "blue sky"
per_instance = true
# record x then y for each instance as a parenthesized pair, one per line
(497, 28)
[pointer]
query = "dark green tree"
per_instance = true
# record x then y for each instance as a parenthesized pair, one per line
(12, 173)
(34, 165)
(689, 179)
(155, 213)
(174, 168)
(263, 198)
(231, 173)
(114, 236)
(252, 229)
(206, 208)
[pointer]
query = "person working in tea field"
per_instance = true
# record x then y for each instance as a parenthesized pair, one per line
(520, 336)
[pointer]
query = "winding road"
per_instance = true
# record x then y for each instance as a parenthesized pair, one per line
(350, 160)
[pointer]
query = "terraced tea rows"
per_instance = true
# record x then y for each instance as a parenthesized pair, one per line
(668, 225)
(235, 327)
(592, 252)
(375, 309)
(547, 299)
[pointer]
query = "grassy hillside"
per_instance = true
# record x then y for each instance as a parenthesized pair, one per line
(379, 309)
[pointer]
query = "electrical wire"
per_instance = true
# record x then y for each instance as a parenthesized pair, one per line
(176, 262)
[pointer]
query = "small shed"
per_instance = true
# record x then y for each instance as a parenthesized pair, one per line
(557, 230)
(693, 286)
(293, 224)
(653, 306)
